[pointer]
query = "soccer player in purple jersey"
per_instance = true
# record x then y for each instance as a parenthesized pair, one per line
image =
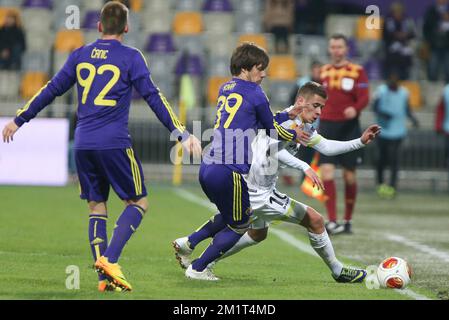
(242, 108)
(105, 72)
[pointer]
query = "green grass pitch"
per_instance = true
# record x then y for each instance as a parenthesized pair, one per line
(44, 230)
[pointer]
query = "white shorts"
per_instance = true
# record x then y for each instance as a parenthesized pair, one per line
(276, 207)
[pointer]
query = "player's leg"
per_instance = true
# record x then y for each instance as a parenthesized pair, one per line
(381, 163)
(299, 213)
(350, 161)
(125, 175)
(321, 243)
(330, 130)
(253, 236)
(230, 194)
(95, 189)
(394, 165)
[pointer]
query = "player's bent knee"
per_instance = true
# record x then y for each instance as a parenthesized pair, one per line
(258, 235)
(142, 203)
(98, 208)
(315, 220)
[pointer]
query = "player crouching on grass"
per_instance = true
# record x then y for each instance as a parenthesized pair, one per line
(270, 205)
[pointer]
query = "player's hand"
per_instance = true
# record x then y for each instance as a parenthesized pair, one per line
(294, 112)
(302, 137)
(370, 133)
(9, 130)
(316, 180)
(350, 113)
(193, 146)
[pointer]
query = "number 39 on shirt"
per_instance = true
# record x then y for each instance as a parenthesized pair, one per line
(86, 83)
(224, 102)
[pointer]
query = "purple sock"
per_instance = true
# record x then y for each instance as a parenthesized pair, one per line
(222, 242)
(98, 237)
(126, 225)
(207, 230)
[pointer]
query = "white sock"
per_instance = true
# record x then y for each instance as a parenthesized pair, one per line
(323, 246)
(244, 242)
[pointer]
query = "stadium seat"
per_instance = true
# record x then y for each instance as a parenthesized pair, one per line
(340, 23)
(279, 93)
(414, 90)
(4, 11)
(136, 5)
(257, 38)
(9, 84)
(157, 22)
(217, 6)
(41, 41)
(160, 43)
(282, 67)
(36, 61)
(218, 65)
(191, 43)
(91, 36)
(363, 33)
(157, 5)
(213, 85)
(315, 46)
(37, 20)
(185, 23)
(187, 5)
(44, 4)
(248, 6)
(219, 23)
(92, 5)
(224, 47)
(134, 21)
(373, 69)
(59, 60)
(32, 82)
(91, 19)
(189, 63)
(68, 40)
(248, 23)
(161, 65)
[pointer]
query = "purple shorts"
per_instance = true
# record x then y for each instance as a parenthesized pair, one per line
(118, 168)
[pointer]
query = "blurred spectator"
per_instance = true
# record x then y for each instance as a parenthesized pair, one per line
(279, 20)
(310, 16)
(442, 120)
(391, 106)
(436, 34)
(12, 42)
(398, 32)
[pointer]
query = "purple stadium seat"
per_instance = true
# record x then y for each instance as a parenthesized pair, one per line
(189, 63)
(373, 69)
(90, 19)
(46, 4)
(217, 5)
(160, 43)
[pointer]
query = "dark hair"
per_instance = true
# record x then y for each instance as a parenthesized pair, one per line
(311, 88)
(339, 36)
(246, 56)
(113, 18)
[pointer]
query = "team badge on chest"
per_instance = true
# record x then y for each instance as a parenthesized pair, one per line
(347, 84)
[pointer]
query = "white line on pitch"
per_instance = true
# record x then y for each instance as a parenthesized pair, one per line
(285, 236)
(419, 246)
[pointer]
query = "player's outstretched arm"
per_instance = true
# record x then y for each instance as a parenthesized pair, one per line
(9, 130)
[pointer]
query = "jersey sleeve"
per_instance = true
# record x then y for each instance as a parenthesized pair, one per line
(362, 91)
(141, 80)
(57, 86)
(334, 147)
(267, 121)
(291, 161)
